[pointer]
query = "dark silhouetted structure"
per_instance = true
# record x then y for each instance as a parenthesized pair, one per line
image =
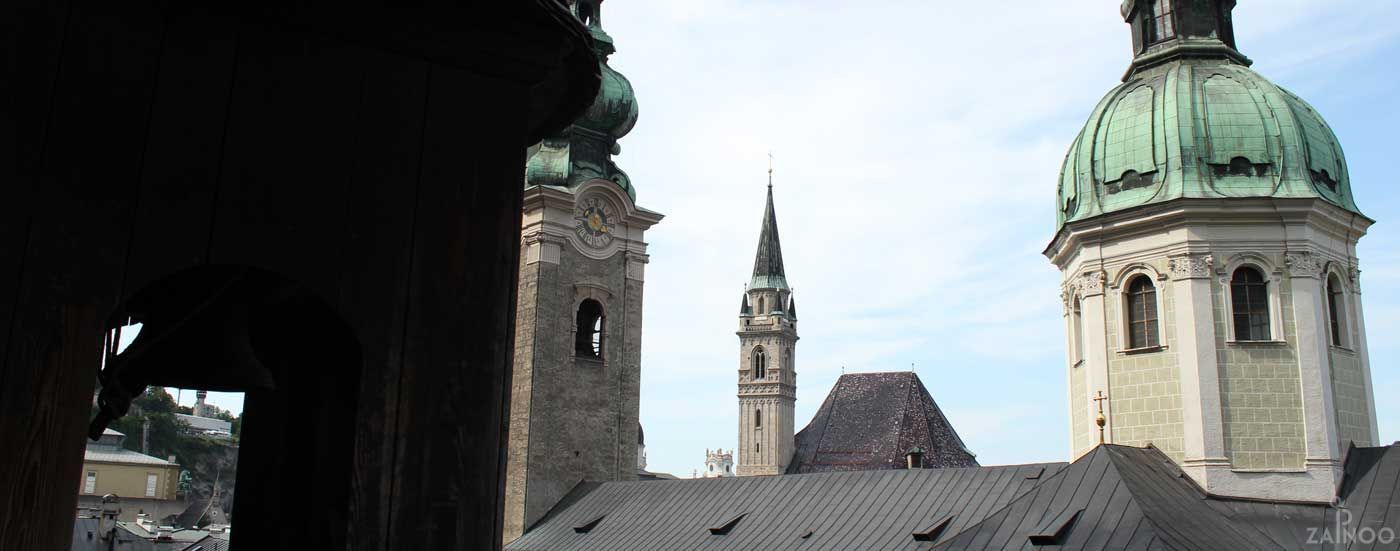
(314, 202)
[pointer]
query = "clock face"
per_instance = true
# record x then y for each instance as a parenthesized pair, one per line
(595, 221)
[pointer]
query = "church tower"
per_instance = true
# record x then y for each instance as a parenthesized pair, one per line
(767, 365)
(1207, 238)
(576, 383)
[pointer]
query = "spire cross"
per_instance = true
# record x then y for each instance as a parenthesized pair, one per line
(1100, 420)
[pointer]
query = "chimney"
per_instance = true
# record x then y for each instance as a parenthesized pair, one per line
(107, 518)
(915, 457)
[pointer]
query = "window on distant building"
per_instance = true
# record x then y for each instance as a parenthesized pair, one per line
(90, 483)
(151, 479)
(758, 418)
(1142, 313)
(1249, 300)
(762, 306)
(760, 363)
(588, 339)
(1336, 311)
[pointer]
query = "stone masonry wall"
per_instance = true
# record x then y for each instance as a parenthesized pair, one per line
(1145, 386)
(1260, 393)
(1349, 396)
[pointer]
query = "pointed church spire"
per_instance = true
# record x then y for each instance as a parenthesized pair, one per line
(768, 263)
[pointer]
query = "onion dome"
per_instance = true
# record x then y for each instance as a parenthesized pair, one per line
(1192, 120)
(584, 151)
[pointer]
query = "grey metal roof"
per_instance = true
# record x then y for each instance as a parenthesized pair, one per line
(205, 423)
(867, 510)
(870, 420)
(1119, 497)
(1115, 497)
(96, 453)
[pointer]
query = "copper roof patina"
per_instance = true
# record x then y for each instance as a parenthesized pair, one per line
(1192, 120)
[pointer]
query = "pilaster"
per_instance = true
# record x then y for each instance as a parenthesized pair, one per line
(1203, 439)
(1093, 310)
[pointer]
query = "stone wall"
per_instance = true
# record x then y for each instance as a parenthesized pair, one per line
(1350, 398)
(1260, 392)
(1145, 386)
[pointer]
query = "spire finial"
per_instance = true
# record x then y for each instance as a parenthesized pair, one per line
(770, 169)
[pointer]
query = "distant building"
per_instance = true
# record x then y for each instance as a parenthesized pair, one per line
(145, 484)
(718, 464)
(98, 530)
(206, 426)
(869, 421)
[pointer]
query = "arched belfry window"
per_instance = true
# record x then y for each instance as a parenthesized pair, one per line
(758, 418)
(588, 336)
(760, 363)
(1159, 22)
(1249, 301)
(1336, 311)
(762, 306)
(1142, 313)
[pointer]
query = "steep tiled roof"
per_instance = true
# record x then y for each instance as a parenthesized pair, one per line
(870, 420)
(869, 510)
(768, 272)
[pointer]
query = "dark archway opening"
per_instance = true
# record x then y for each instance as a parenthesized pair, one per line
(242, 329)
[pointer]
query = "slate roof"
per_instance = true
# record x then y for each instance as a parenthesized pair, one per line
(768, 270)
(870, 420)
(1114, 497)
(867, 510)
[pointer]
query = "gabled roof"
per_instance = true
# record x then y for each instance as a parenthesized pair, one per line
(1119, 497)
(1114, 497)
(870, 420)
(768, 270)
(869, 510)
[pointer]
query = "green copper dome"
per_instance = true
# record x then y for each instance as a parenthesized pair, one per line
(1191, 120)
(584, 151)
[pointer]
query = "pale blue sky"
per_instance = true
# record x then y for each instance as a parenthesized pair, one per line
(918, 145)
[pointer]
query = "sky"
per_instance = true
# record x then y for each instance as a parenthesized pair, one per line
(916, 149)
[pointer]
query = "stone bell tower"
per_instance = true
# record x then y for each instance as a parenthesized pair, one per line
(1207, 243)
(576, 385)
(767, 365)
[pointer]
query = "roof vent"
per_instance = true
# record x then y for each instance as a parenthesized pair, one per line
(727, 526)
(1056, 531)
(807, 534)
(1036, 474)
(588, 526)
(937, 530)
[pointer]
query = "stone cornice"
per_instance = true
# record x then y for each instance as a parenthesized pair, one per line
(1161, 217)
